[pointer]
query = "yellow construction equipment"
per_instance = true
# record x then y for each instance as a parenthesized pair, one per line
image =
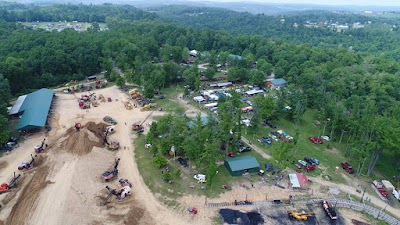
(128, 105)
(144, 108)
(300, 215)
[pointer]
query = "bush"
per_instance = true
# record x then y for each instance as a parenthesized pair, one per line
(160, 161)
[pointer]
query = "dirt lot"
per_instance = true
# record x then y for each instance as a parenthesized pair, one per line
(66, 186)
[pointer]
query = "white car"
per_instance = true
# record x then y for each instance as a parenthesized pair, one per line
(302, 162)
(326, 138)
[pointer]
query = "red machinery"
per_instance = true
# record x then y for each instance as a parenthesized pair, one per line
(193, 210)
(78, 126)
(5, 187)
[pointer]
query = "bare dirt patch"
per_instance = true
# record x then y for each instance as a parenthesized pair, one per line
(3, 164)
(29, 195)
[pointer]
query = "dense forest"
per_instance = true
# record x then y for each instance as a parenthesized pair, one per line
(377, 38)
(360, 93)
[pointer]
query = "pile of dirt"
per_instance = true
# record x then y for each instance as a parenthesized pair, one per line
(29, 195)
(82, 142)
(96, 128)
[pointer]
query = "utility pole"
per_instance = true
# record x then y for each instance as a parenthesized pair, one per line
(362, 197)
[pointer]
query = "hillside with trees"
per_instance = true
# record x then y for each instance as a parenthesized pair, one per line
(359, 92)
(381, 37)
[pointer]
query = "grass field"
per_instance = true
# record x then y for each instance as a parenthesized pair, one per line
(50, 26)
(329, 157)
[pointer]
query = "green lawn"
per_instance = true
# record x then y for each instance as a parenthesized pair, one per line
(170, 102)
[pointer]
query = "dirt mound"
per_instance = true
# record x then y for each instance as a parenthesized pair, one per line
(29, 195)
(82, 142)
(3, 164)
(96, 128)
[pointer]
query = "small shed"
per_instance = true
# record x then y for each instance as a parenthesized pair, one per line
(241, 165)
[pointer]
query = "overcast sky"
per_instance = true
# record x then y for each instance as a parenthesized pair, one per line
(324, 2)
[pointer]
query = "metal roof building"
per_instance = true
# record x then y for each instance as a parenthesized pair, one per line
(35, 109)
(239, 165)
(17, 106)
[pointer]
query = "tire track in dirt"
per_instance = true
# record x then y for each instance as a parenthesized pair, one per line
(20, 212)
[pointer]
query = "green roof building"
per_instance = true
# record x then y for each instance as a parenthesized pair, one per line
(239, 165)
(35, 109)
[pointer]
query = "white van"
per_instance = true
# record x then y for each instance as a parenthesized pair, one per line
(201, 178)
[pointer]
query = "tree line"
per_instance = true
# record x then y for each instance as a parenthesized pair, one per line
(355, 91)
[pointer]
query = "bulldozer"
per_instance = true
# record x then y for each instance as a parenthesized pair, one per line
(300, 215)
(128, 105)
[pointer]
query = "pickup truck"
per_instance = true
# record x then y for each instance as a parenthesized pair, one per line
(347, 167)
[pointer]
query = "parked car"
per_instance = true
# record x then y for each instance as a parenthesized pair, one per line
(264, 123)
(161, 97)
(347, 167)
(309, 160)
(266, 140)
(239, 143)
(302, 162)
(297, 166)
(316, 162)
(309, 168)
(244, 149)
(272, 126)
(201, 178)
(268, 167)
(315, 140)
(277, 201)
(326, 137)
(182, 162)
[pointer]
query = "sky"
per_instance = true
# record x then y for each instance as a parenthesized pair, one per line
(324, 2)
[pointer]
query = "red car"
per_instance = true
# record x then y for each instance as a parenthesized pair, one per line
(383, 192)
(347, 167)
(309, 168)
(315, 140)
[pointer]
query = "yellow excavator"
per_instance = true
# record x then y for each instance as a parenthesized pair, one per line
(300, 215)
